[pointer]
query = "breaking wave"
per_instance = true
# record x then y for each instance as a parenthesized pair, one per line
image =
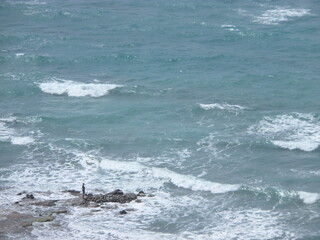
(308, 198)
(194, 183)
(281, 194)
(76, 89)
(222, 106)
(292, 131)
(8, 134)
(275, 16)
(21, 140)
(165, 175)
(155, 177)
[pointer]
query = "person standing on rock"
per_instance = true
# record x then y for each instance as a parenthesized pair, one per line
(83, 190)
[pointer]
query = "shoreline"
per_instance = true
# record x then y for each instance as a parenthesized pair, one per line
(39, 207)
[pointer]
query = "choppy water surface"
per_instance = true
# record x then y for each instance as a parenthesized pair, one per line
(211, 105)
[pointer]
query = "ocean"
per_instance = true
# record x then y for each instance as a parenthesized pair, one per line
(212, 106)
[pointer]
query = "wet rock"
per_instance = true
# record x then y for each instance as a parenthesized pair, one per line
(138, 201)
(74, 202)
(151, 195)
(95, 210)
(123, 212)
(44, 219)
(114, 196)
(29, 222)
(72, 192)
(130, 209)
(131, 196)
(116, 192)
(17, 216)
(28, 197)
(26, 224)
(141, 194)
(23, 192)
(58, 211)
(47, 203)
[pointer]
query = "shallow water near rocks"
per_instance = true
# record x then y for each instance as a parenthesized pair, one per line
(213, 107)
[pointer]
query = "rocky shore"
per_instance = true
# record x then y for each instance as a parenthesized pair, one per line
(30, 209)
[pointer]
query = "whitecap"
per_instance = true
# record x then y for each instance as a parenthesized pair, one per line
(193, 183)
(20, 54)
(76, 89)
(21, 140)
(230, 27)
(275, 16)
(304, 145)
(8, 134)
(308, 197)
(292, 131)
(35, 2)
(5, 132)
(9, 119)
(222, 106)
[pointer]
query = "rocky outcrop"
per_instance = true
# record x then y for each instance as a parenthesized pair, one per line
(72, 192)
(114, 196)
(28, 197)
(34, 208)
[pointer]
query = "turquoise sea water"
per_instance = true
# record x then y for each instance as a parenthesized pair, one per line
(213, 106)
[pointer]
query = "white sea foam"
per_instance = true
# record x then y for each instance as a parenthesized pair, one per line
(8, 134)
(23, 120)
(35, 2)
(8, 119)
(162, 175)
(20, 54)
(76, 89)
(275, 16)
(308, 197)
(239, 224)
(21, 140)
(5, 132)
(244, 224)
(294, 131)
(304, 145)
(230, 27)
(222, 106)
(193, 183)
(180, 180)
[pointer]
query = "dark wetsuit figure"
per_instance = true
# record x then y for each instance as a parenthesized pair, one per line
(83, 190)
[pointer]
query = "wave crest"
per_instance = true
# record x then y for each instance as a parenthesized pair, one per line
(293, 131)
(308, 197)
(275, 16)
(193, 183)
(222, 106)
(76, 89)
(10, 135)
